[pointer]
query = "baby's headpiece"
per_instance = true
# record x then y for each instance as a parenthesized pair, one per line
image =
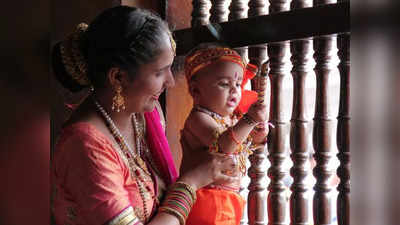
(204, 57)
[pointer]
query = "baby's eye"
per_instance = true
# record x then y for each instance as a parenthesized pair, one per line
(238, 84)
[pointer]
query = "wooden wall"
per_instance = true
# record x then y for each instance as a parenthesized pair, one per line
(178, 100)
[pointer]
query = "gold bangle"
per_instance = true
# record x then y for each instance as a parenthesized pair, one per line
(187, 187)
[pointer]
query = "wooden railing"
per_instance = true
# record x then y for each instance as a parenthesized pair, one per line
(261, 36)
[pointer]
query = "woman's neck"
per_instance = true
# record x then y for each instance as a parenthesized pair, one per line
(121, 119)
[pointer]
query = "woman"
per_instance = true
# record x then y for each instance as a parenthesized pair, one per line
(112, 163)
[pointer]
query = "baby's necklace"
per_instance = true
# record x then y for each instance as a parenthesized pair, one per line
(129, 153)
(218, 118)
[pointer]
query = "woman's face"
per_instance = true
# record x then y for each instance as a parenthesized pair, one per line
(151, 80)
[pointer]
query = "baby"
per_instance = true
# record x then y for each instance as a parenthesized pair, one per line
(219, 123)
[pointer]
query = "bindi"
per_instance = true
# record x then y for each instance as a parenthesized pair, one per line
(236, 75)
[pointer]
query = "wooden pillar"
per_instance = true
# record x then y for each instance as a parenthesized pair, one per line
(257, 54)
(322, 132)
(256, 207)
(343, 131)
(257, 191)
(256, 198)
(200, 13)
(277, 200)
(237, 10)
(298, 136)
(218, 11)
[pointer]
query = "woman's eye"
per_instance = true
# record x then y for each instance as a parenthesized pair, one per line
(224, 84)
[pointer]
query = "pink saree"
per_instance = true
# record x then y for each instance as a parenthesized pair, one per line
(93, 185)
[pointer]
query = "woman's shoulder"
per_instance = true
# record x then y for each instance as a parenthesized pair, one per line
(82, 131)
(84, 144)
(82, 136)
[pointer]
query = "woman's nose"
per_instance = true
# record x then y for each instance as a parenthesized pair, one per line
(170, 81)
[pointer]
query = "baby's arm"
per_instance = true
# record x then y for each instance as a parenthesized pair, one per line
(234, 136)
(203, 127)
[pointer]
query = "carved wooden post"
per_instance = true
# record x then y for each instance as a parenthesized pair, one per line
(200, 13)
(322, 132)
(343, 131)
(298, 136)
(257, 54)
(277, 200)
(256, 204)
(218, 12)
(257, 193)
(237, 10)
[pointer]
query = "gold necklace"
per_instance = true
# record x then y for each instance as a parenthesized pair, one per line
(218, 118)
(135, 162)
(243, 148)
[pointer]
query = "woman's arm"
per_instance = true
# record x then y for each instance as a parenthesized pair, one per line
(208, 171)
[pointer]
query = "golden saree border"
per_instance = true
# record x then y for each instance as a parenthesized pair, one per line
(126, 217)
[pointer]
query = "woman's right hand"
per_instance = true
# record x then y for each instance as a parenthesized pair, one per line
(212, 169)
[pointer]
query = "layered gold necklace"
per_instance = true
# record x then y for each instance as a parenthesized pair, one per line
(138, 168)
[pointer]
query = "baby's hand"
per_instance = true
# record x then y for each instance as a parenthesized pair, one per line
(258, 112)
(260, 133)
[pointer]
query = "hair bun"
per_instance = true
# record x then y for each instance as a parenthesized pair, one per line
(69, 63)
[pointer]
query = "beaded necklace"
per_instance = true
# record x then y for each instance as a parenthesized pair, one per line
(218, 118)
(243, 149)
(137, 166)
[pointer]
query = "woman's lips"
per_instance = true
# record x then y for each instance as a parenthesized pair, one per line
(155, 97)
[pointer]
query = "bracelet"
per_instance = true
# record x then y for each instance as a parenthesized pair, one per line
(249, 120)
(233, 136)
(214, 147)
(187, 187)
(179, 201)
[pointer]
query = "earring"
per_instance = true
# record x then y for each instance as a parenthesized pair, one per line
(118, 100)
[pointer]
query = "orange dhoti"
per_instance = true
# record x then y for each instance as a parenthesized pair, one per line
(216, 207)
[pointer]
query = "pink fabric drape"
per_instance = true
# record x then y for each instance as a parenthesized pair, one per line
(159, 147)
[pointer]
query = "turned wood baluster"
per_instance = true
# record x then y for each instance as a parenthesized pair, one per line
(200, 13)
(257, 192)
(256, 204)
(298, 137)
(257, 54)
(218, 12)
(343, 131)
(277, 199)
(237, 10)
(322, 130)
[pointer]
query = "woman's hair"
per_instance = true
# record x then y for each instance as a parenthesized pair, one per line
(123, 37)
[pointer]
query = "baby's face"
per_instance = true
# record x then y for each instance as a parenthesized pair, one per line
(218, 87)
